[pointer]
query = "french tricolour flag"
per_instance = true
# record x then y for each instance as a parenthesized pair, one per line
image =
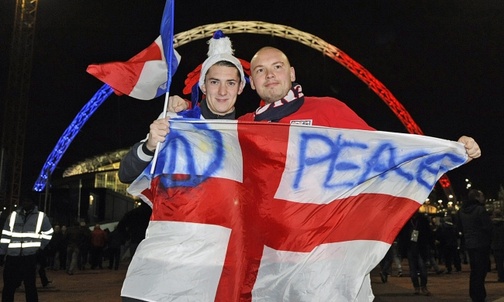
(276, 212)
(148, 74)
(143, 77)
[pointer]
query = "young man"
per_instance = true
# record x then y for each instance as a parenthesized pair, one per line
(273, 78)
(222, 79)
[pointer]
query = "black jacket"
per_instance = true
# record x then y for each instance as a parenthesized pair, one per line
(498, 234)
(447, 235)
(475, 225)
(425, 241)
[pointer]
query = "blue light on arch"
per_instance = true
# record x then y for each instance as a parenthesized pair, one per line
(71, 131)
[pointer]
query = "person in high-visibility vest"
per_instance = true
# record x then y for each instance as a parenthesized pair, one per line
(25, 232)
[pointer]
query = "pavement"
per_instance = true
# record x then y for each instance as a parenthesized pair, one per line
(452, 287)
(104, 285)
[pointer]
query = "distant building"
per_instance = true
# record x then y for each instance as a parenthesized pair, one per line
(89, 191)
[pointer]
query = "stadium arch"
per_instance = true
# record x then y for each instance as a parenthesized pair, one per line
(245, 27)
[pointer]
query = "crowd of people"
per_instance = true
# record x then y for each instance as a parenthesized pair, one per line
(77, 247)
(472, 235)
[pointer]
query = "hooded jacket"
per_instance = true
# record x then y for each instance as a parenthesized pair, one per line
(476, 225)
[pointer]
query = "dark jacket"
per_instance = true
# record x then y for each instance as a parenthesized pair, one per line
(425, 237)
(475, 225)
(498, 234)
(78, 237)
(25, 233)
(447, 235)
(134, 162)
(115, 239)
(135, 222)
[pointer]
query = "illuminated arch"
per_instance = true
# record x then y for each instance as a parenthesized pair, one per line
(247, 27)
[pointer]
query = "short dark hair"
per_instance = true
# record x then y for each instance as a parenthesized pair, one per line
(226, 64)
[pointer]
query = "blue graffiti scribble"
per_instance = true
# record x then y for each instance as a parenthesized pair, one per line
(383, 160)
(331, 157)
(432, 164)
(178, 146)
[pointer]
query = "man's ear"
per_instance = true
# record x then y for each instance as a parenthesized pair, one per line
(292, 74)
(240, 90)
(252, 83)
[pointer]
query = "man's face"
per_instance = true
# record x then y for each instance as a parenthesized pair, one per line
(272, 75)
(28, 204)
(222, 87)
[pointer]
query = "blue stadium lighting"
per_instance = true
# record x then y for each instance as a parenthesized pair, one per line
(98, 98)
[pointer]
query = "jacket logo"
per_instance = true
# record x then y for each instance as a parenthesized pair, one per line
(302, 122)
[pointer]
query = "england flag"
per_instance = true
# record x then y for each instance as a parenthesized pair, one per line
(276, 212)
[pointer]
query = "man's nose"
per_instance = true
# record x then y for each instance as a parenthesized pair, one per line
(269, 74)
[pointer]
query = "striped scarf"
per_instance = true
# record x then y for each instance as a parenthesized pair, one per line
(289, 104)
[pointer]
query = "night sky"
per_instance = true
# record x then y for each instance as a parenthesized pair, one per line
(443, 60)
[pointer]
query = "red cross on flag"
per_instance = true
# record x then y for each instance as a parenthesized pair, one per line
(276, 212)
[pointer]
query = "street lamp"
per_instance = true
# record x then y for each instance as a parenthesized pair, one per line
(468, 184)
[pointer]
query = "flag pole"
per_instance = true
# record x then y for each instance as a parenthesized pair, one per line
(167, 42)
(158, 145)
